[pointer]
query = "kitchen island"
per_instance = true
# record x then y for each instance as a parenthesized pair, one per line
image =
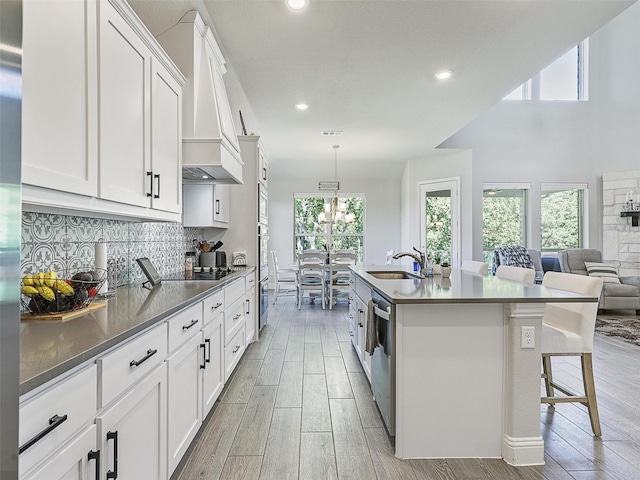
(466, 385)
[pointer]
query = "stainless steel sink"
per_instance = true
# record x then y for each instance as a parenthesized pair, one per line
(394, 275)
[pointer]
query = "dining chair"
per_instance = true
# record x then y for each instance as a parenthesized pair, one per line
(567, 330)
(517, 274)
(311, 273)
(475, 267)
(286, 279)
(338, 280)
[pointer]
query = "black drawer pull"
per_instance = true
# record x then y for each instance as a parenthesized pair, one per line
(150, 353)
(95, 455)
(208, 342)
(236, 349)
(204, 356)
(193, 322)
(248, 307)
(237, 317)
(215, 307)
(54, 422)
(113, 436)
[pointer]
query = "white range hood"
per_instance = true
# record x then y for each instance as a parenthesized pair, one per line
(209, 144)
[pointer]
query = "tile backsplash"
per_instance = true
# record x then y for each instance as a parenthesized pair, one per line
(67, 243)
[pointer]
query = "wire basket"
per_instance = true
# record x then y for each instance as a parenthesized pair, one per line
(49, 293)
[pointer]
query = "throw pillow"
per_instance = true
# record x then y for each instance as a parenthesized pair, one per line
(608, 273)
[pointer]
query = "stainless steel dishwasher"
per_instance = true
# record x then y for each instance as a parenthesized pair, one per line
(383, 361)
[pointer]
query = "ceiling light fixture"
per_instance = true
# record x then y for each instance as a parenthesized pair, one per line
(444, 74)
(297, 4)
(302, 106)
(335, 210)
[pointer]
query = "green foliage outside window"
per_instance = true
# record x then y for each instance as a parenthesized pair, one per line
(309, 233)
(438, 210)
(503, 220)
(560, 222)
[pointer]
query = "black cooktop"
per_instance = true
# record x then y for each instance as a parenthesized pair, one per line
(207, 273)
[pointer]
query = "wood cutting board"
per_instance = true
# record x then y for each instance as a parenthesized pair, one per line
(66, 316)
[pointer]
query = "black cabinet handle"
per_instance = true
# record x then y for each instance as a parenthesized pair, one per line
(193, 322)
(360, 325)
(217, 207)
(236, 349)
(150, 192)
(248, 304)
(237, 317)
(113, 436)
(157, 176)
(217, 306)
(150, 353)
(204, 356)
(264, 173)
(95, 455)
(54, 422)
(208, 342)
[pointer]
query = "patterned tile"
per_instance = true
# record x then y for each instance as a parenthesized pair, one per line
(137, 232)
(81, 256)
(83, 229)
(42, 258)
(43, 228)
(115, 231)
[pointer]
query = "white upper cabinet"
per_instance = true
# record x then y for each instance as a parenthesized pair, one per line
(206, 205)
(59, 105)
(103, 111)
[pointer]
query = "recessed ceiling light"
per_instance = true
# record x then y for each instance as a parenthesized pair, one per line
(444, 74)
(302, 106)
(297, 4)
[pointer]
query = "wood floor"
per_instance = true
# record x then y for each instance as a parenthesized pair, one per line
(299, 406)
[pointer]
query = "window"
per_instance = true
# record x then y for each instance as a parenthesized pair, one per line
(311, 233)
(440, 231)
(504, 217)
(565, 79)
(562, 217)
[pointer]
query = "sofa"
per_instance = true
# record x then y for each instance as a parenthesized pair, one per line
(623, 295)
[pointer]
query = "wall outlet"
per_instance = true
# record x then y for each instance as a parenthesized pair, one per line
(528, 338)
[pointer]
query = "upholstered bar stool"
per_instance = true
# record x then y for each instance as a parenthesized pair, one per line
(568, 329)
(475, 267)
(517, 274)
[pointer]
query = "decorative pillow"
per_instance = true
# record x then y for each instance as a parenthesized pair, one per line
(608, 273)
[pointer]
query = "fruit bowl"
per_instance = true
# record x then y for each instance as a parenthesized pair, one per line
(48, 293)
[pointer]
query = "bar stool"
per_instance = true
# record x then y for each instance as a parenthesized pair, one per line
(517, 274)
(475, 267)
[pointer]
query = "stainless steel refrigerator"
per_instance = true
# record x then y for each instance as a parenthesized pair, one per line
(10, 228)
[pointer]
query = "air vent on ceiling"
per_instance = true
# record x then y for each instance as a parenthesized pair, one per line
(336, 133)
(330, 186)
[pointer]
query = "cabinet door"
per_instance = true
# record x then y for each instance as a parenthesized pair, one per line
(184, 399)
(124, 66)
(166, 131)
(221, 203)
(213, 371)
(59, 104)
(78, 460)
(250, 314)
(132, 433)
(263, 169)
(353, 317)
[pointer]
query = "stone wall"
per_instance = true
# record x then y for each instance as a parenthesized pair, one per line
(621, 241)
(67, 243)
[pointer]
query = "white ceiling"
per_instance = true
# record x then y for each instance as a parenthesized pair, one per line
(367, 68)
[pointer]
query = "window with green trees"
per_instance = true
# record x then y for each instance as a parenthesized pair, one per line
(504, 219)
(309, 232)
(561, 222)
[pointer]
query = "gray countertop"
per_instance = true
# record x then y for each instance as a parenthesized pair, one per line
(461, 287)
(50, 348)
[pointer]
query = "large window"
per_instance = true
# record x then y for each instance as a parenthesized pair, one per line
(310, 232)
(562, 216)
(504, 217)
(565, 79)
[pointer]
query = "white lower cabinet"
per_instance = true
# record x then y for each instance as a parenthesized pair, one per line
(250, 314)
(212, 364)
(77, 460)
(132, 432)
(358, 309)
(233, 353)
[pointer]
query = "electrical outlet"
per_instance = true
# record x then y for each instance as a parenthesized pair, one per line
(528, 338)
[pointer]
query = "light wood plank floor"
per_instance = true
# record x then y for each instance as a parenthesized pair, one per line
(299, 406)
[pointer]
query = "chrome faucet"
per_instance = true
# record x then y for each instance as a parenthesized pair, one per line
(421, 259)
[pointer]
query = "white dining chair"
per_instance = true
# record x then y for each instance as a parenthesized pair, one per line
(311, 273)
(286, 279)
(475, 267)
(338, 278)
(568, 329)
(517, 274)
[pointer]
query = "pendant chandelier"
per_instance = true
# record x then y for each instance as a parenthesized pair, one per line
(335, 210)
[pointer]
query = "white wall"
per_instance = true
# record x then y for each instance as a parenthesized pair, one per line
(446, 165)
(382, 214)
